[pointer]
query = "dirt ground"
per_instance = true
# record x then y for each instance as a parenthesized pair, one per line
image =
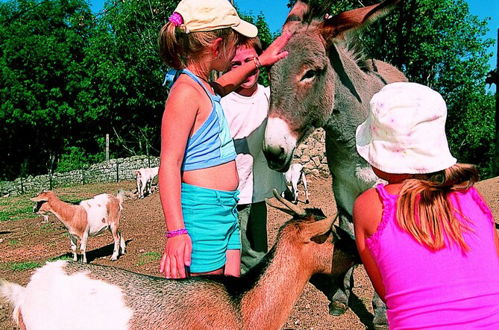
(30, 240)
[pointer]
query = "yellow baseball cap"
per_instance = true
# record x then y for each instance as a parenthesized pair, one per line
(209, 15)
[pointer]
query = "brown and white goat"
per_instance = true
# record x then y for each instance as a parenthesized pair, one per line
(111, 298)
(91, 217)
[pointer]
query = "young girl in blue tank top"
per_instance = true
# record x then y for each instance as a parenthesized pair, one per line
(197, 175)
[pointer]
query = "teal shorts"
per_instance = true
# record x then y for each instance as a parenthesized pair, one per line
(210, 217)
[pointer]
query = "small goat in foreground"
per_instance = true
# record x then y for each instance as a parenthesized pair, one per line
(89, 218)
(145, 177)
(111, 298)
(293, 177)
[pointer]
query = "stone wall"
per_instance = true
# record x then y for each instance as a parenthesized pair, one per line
(310, 153)
(111, 171)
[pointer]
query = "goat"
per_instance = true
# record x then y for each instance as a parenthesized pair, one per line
(91, 217)
(145, 177)
(112, 298)
(293, 177)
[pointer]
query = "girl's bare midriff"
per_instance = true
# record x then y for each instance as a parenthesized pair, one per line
(220, 177)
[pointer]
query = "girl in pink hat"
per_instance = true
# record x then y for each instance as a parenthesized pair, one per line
(197, 176)
(427, 238)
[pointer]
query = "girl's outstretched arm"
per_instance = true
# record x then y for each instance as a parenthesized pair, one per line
(178, 119)
(231, 80)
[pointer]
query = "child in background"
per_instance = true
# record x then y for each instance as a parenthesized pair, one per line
(246, 110)
(198, 175)
(427, 238)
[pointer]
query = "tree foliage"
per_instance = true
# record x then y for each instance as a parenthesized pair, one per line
(42, 51)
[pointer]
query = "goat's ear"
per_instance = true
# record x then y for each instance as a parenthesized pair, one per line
(317, 228)
(338, 26)
(295, 16)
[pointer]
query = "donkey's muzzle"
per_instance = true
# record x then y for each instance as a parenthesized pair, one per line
(277, 158)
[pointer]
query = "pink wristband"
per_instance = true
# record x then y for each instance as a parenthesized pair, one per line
(176, 232)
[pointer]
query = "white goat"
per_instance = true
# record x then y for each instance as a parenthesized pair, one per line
(293, 177)
(89, 218)
(112, 298)
(145, 177)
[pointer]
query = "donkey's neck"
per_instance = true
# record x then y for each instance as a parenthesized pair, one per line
(354, 88)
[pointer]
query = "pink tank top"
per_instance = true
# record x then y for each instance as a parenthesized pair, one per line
(448, 288)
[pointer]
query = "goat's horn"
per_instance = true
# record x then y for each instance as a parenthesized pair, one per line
(295, 208)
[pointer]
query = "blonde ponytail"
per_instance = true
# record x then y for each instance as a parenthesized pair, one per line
(424, 211)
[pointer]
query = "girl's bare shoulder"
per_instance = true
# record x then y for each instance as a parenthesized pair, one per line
(185, 86)
(185, 94)
(367, 211)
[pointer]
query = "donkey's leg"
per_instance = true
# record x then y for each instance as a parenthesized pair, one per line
(343, 287)
(379, 307)
(339, 301)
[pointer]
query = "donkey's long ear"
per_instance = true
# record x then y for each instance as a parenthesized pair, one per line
(336, 27)
(295, 16)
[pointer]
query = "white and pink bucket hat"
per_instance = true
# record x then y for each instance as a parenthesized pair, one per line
(405, 130)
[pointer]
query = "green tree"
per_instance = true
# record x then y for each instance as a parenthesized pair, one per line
(125, 67)
(42, 48)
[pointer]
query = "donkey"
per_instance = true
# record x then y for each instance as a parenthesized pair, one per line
(324, 83)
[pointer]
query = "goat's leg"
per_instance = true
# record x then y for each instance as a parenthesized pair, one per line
(73, 241)
(149, 186)
(143, 188)
(305, 187)
(116, 238)
(295, 192)
(83, 246)
(139, 184)
(122, 243)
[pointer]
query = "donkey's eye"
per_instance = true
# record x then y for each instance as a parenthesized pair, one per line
(309, 75)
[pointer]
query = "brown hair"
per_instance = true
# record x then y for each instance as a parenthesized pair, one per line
(424, 211)
(177, 49)
(254, 43)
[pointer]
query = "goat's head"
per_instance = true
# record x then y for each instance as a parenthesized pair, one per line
(41, 206)
(304, 84)
(315, 238)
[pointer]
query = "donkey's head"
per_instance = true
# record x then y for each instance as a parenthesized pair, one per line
(304, 84)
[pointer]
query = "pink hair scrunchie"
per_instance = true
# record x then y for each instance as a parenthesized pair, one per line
(176, 19)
